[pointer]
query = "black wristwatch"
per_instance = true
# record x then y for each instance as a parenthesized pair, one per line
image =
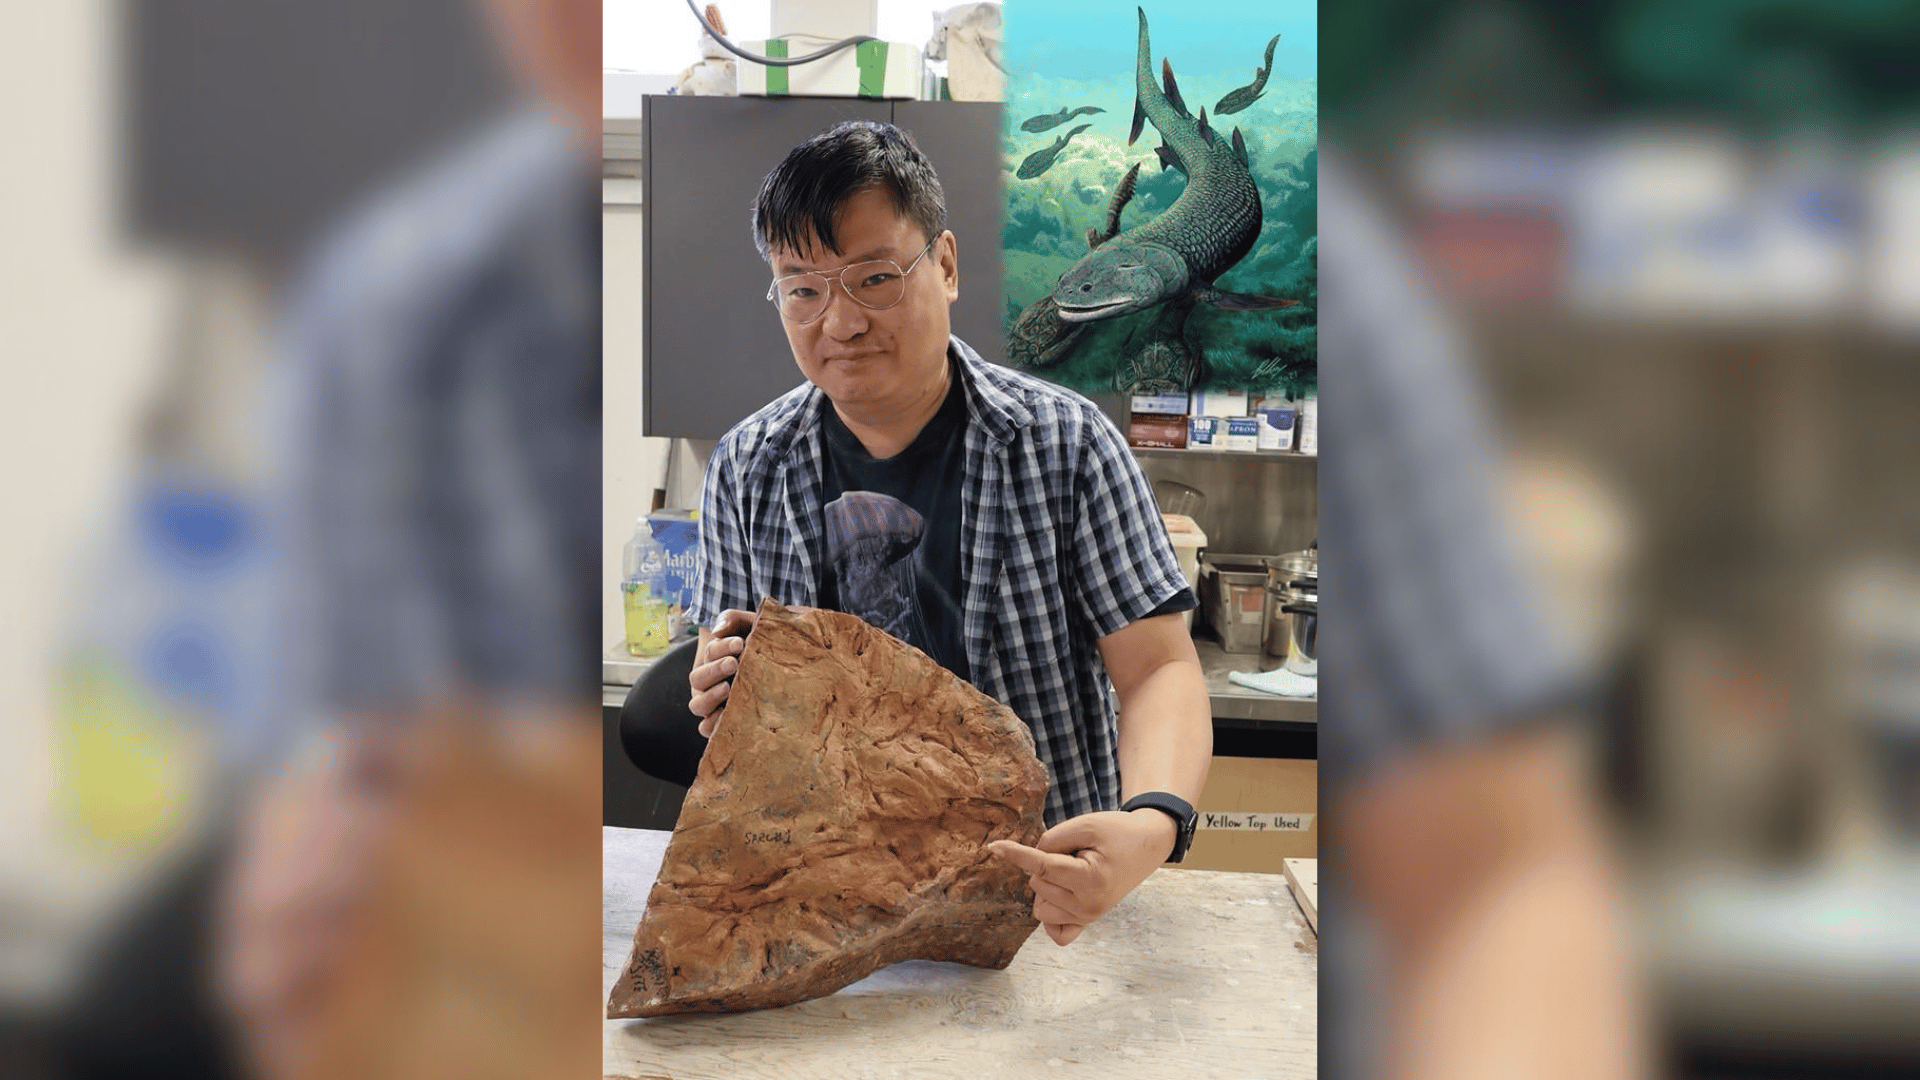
(1175, 807)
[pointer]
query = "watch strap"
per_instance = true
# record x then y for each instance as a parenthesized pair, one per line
(1175, 807)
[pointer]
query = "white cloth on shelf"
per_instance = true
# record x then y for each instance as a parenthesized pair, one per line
(1278, 681)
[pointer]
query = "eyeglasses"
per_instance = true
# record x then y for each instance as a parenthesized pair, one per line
(877, 284)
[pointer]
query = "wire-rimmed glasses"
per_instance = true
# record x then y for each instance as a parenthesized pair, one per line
(874, 283)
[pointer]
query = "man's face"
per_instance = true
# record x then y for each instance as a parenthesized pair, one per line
(875, 359)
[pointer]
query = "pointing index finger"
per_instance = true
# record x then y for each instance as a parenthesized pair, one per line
(1032, 860)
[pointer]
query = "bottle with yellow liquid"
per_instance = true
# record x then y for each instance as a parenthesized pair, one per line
(657, 581)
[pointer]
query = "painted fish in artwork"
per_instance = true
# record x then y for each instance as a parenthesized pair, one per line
(1208, 229)
(1042, 159)
(1253, 91)
(1049, 121)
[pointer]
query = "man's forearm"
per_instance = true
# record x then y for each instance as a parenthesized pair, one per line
(1166, 732)
(1488, 875)
(1086, 864)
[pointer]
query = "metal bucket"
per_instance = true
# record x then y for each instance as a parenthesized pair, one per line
(1231, 591)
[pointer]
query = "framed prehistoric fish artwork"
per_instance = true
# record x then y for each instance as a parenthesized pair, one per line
(1161, 229)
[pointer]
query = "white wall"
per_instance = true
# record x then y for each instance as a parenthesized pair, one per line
(84, 315)
(632, 465)
(662, 36)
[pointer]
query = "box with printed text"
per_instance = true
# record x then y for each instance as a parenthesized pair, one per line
(1255, 812)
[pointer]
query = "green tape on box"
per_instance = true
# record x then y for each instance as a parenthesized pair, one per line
(872, 58)
(777, 76)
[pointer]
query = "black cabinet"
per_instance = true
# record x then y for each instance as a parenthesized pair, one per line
(712, 347)
(962, 139)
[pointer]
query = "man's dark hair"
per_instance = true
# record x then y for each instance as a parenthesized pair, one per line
(803, 194)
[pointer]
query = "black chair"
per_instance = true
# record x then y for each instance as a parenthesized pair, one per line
(660, 736)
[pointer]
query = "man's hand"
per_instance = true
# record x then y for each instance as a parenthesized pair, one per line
(714, 664)
(313, 837)
(1084, 865)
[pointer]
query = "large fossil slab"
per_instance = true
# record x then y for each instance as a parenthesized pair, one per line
(838, 824)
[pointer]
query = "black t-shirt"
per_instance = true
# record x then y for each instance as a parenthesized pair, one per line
(893, 533)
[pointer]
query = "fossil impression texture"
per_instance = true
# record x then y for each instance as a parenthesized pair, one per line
(838, 824)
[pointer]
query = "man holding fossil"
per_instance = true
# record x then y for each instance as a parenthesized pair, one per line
(993, 520)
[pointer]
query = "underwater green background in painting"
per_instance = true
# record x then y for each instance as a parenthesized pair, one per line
(1070, 53)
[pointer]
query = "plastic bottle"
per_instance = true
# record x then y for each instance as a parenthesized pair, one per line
(1276, 424)
(649, 614)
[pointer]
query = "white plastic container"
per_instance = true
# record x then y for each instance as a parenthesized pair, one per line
(1276, 426)
(1310, 425)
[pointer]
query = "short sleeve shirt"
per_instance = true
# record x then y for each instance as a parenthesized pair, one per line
(1060, 545)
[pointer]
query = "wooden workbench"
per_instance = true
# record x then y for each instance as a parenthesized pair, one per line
(1196, 973)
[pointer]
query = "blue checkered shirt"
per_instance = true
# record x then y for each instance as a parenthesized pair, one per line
(437, 437)
(1061, 544)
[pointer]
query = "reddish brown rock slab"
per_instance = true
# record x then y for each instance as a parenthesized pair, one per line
(838, 824)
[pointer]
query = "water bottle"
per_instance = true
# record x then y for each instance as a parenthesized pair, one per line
(649, 614)
(656, 580)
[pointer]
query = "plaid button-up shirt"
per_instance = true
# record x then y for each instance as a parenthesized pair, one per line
(1061, 544)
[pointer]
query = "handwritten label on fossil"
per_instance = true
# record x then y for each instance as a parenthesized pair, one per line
(1256, 822)
(648, 972)
(784, 836)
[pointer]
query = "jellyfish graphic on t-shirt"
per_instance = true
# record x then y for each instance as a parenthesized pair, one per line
(871, 544)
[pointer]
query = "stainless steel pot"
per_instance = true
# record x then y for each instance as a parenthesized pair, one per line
(1303, 636)
(1295, 569)
(1292, 626)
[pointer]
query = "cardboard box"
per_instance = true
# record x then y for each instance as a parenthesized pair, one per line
(655, 600)
(871, 69)
(679, 532)
(1243, 433)
(1256, 812)
(1217, 403)
(1203, 432)
(1159, 404)
(1167, 432)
